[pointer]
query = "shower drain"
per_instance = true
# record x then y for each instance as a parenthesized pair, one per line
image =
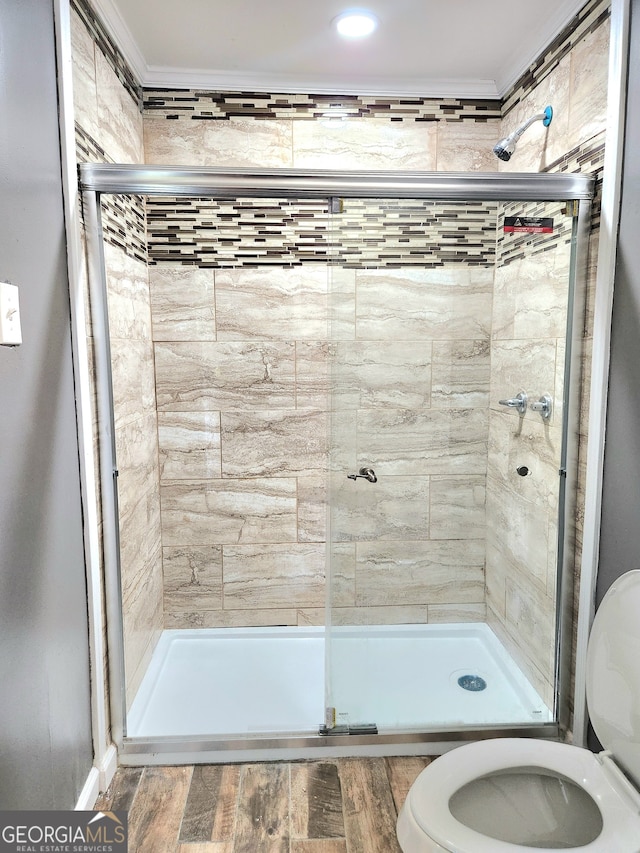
(472, 682)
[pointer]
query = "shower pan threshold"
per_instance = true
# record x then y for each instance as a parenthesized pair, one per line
(259, 681)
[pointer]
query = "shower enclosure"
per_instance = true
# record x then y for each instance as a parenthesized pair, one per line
(338, 437)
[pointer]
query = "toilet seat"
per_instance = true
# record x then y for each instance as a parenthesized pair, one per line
(427, 814)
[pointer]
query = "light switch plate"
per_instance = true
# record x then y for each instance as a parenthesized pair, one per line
(10, 332)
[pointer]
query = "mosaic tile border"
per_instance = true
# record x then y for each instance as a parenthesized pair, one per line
(590, 17)
(367, 234)
(123, 216)
(109, 49)
(587, 159)
(514, 246)
(262, 232)
(177, 104)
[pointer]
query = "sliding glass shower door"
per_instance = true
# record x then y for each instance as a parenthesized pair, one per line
(445, 490)
(447, 495)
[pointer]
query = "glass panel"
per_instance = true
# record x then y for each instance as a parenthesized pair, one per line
(444, 498)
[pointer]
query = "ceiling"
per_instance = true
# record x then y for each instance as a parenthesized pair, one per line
(431, 48)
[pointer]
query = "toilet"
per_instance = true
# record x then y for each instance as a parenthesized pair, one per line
(516, 794)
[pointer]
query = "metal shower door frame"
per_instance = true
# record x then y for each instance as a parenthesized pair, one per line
(96, 179)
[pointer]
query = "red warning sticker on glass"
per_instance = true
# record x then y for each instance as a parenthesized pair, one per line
(529, 224)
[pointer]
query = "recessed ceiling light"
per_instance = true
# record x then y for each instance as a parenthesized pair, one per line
(356, 23)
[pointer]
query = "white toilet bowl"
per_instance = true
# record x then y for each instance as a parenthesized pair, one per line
(515, 794)
(517, 809)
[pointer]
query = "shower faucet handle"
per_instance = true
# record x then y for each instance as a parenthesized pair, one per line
(366, 474)
(544, 406)
(518, 402)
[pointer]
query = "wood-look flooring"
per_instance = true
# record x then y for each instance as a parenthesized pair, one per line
(347, 805)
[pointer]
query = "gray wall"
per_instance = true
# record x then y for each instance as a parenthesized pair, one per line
(45, 737)
(620, 539)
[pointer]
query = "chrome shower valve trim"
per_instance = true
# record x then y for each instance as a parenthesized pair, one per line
(519, 402)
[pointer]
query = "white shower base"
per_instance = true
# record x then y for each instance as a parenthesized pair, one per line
(248, 681)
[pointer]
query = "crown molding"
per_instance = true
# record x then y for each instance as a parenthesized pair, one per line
(110, 16)
(165, 77)
(168, 77)
(551, 27)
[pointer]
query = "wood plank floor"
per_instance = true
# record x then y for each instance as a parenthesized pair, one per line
(347, 805)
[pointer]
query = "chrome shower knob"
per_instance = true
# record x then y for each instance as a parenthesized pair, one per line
(519, 402)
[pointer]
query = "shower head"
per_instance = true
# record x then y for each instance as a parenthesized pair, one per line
(505, 148)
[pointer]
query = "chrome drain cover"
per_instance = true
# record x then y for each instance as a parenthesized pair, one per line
(475, 683)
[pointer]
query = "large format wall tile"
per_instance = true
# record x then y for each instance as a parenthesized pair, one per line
(142, 622)
(140, 542)
(408, 442)
(127, 296)
(531, 614)
(133, 379)
(192, 578)
(519, 529)
(392, 573)
(236, 142)
(364, 144)
(516, 442)
(201, 375)
(460, 373)
(227, 511)
(312, 508)
(263, 304)
(274, 576)
(457, 507)
(589, 83)
(314, 370)
(531, 298)
(392, 508)
(140, 551)
(182, 303)
(447, 303)
(268, 617)
(267, 444)
(522, 365)
(85, 102)
(367, 374)
(189, 445)
(119, 116)
(466, 147)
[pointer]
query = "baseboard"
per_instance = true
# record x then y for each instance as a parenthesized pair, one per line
(98, 780)
(90, 791)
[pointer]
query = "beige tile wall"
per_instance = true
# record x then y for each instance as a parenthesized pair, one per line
(527, 354)
(106, 112)
(519, 595)
(244, 447)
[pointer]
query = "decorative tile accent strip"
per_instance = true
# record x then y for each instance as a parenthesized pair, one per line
(108, 47)
(221, 106)
(368, 233)
(123, 216)
(586, 159)
(590, 17)
(513, 246)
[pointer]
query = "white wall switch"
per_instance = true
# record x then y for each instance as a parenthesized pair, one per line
(10, 332)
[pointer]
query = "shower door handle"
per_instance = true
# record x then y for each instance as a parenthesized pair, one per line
(518, 402)
(366, 474)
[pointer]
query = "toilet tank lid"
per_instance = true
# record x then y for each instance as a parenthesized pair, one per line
(613, 673)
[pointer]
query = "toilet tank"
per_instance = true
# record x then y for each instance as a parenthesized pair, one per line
(613, 673)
